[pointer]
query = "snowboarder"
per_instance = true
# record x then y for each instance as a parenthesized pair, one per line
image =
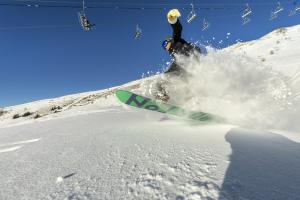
(176, 45)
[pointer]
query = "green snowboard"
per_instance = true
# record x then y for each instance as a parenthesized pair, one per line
(139, 101)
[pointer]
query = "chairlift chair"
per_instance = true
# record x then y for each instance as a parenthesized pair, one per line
(192, 15)
(206, 25)
(295, 10)
(246, 20)
(138, 32)
(274, 14)
(83, 20)
(279, 8)
(246, 14)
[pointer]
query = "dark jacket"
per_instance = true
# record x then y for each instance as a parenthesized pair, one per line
(179, 46)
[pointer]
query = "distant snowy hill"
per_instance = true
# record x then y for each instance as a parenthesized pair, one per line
(90, 146)
(279, 49)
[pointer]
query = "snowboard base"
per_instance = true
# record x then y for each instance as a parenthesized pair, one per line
(139, 101)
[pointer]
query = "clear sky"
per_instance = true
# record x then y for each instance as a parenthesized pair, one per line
(45, 53)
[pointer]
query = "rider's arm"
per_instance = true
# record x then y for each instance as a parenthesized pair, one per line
(177, 30)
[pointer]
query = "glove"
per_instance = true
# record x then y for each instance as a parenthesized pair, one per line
(173, 16)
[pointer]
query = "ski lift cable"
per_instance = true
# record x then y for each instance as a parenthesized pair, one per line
(36, 5)
(83, 6)
(100, 7)
(115, 5)
(144, 4)
(45, 1)
(36, 27)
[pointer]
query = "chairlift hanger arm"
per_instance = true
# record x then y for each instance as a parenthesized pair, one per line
(279, 8)
(205, 25)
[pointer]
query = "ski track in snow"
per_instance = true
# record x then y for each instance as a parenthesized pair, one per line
(4, 150)
(21, 142)
(10, 149)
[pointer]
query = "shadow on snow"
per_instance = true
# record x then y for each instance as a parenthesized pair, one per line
(262, 166)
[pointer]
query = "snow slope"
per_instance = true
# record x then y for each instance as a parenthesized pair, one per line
(89, 146)
(279, 49)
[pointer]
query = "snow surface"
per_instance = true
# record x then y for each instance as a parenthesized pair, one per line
(90, 146)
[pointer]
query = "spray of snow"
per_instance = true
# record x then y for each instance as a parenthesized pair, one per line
(238, 88)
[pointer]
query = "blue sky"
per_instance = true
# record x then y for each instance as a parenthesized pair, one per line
(45, 53)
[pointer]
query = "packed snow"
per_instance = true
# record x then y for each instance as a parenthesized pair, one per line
(90, 146)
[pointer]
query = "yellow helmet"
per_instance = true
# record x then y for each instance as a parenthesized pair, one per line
(173, 15)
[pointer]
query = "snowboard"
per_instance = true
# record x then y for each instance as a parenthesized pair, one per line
(139, 101)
